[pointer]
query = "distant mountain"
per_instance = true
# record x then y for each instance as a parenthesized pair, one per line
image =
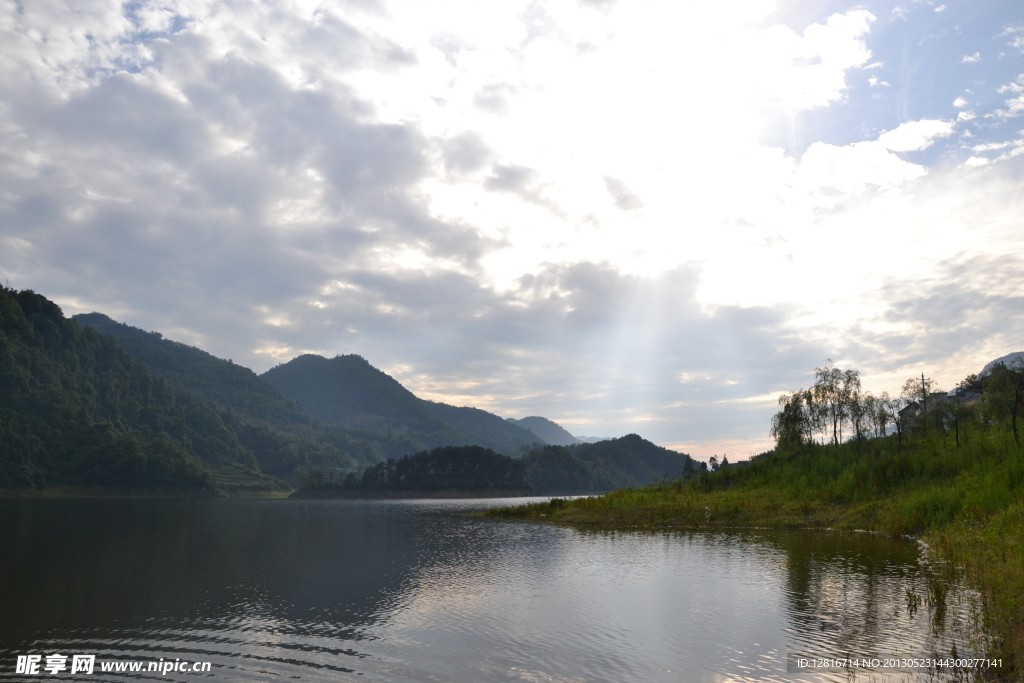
(593, 439)
(594, 468)
(348, 390)
(635, 456)
(1008, 360)
(550, 432)
(445, 471)
(502, 435)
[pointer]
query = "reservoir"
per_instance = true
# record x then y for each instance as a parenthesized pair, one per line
(282, 590)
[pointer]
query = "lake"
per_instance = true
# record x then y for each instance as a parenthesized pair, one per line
(272, 590)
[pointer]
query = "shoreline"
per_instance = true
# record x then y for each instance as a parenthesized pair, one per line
(69, 492)
(347, 494)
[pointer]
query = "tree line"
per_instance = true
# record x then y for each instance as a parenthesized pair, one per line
(836, 408)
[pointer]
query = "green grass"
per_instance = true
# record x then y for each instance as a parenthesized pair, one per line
(966, 502)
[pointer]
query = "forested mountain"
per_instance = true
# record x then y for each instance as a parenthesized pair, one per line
(348, 390)
(284, 439)
(547, 431)
(323, 416)
(603, 466)
(76, 409)
(634, 456)
(232, 386)
(449, 469)
(490, 429)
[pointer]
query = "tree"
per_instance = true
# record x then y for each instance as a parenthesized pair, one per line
(688, 468)
(793, 425)
(892, 408)
(834, 391)
(713, 463)
(874, 415)
(1004, 393)
(959, 411)
(725, 462)
(859, 409)
(916, 389)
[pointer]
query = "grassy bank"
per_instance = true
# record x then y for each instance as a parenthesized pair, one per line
(967, 502)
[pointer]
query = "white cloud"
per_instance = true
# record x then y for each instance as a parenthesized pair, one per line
(851, 169)
(1015, 105)
(874, 82)
(959, 103)
(940, 8)
(965, 116)
(276, 177)
(971, 59)
(915, 135)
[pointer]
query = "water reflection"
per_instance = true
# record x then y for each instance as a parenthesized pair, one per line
(415, 591)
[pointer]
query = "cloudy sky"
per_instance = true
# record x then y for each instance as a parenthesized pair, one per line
(626, 216)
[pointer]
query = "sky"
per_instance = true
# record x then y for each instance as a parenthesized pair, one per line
(625, 216)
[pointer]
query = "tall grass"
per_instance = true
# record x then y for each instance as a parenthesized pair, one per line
(966, 501)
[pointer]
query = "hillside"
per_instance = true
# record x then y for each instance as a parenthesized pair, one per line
(604, 466)
(546, 430)
(283, 438)
(222, 382)
(449, 470)
(77, 410)
(635, 457)
(492, 430)
(347, 390)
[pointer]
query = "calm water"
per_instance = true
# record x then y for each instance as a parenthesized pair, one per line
(417, 591)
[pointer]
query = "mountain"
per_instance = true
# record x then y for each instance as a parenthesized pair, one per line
(283, 438)
(550, 432)
(634, 456)
(594, 468)
(1008, 360)
(348, 390)
(501, 435)
(222, 382)
(444, 471)
(76, 409)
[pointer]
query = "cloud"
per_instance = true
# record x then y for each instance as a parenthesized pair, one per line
(819, 59)
(622, 196)
(1015, 105)
(570, 234)
(971, 59)
(959, 103)
(853, 168)
(915, 135)
(495, 98)
(466, 152)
